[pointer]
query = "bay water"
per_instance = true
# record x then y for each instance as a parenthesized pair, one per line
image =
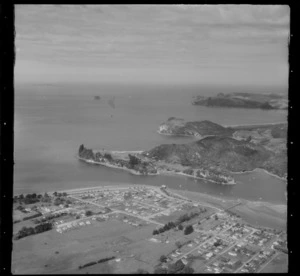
(51, 121)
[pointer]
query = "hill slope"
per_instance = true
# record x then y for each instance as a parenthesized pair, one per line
(225, 153)
(177, 126)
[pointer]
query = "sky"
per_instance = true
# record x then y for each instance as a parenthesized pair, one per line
(178, 44)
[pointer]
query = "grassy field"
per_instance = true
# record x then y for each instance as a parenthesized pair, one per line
(51, 252)
(278, 265)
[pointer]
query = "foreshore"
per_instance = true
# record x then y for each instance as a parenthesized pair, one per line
(261, 170)
(195, 177)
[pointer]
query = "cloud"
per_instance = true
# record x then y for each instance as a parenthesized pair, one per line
(150, 36)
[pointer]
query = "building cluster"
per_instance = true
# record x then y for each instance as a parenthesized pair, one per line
(219, 242)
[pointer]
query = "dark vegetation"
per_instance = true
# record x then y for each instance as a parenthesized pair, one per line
(89, 213)
(174, 268)
(28, 199)
(27, 231)
(178, 223)
(34, 198)
(97, 262)
(282, 249)
(188, 230)
(50, 217)
(32, 217)
(219, 153)
(134, 162)
(140, 271)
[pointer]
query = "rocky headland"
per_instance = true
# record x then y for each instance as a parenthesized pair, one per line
(200, 129)
(243, 100)
(220, 152)
(268, 139)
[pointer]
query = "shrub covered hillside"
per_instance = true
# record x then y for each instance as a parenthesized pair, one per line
(217, 151)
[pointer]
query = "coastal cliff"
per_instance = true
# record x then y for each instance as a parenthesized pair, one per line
(243, 100)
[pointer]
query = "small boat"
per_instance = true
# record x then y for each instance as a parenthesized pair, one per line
(97, 98)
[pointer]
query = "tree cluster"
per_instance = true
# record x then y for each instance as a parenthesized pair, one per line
(49, 217)
(33, 216)
(89, 213)
(108, 156)
(163, 259)
(133, 160)
(177, 223)
(188, 230)
(166, 227)
(85, 153)
(27, 231)
(97, 262)
(28, 199)
(174, 268)
(59, 200)
(218, 243)
(60, 194)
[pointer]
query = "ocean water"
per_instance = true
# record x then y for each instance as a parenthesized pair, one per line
(52, 121)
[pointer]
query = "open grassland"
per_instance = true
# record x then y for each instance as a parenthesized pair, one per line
(51, 252)
(277, 265)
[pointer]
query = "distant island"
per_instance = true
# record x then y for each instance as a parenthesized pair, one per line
(97, 98)
(243, 100)
(222, 152)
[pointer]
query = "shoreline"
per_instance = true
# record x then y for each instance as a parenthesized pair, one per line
(256, 125)
(261, 170)
(112, 166)
(259, 213)
(202, 178)
(195, 177)
(159, 172)
(175, 191)
(176, 173)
